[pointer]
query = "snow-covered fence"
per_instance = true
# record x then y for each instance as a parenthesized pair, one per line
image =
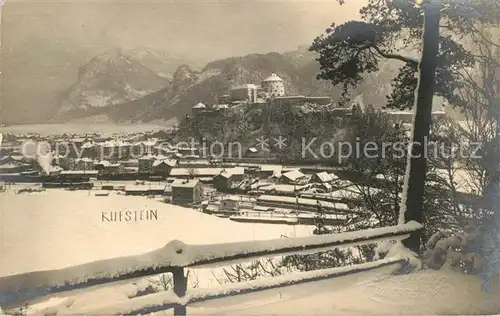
(176, 256)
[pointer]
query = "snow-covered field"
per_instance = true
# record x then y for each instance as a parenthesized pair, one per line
(59, 228)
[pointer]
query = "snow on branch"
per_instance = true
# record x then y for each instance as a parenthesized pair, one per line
(178, 254)
(224, 254)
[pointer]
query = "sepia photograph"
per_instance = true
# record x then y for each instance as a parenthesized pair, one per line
(249, 157)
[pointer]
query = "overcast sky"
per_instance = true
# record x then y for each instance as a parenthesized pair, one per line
(212, 29)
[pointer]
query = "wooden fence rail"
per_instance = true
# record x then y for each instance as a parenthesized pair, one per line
(176, 256)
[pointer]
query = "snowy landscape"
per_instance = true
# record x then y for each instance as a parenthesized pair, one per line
(76, 215)
(250, 158)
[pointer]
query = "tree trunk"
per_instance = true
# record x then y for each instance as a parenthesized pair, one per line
(417, 161)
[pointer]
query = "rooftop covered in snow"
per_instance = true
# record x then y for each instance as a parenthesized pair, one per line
(273, 77)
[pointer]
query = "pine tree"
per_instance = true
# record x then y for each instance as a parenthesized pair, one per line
(491, 234)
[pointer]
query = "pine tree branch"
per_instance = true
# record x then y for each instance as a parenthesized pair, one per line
(402, 58)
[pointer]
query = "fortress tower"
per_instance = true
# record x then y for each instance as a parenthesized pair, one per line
(274, 86)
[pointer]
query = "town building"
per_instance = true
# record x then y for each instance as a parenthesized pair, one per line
(7, 159)
(214, 110)
(342, 111)
(17, 156)
(221, 109)
(64, 162)
(187, 173)
(106, 167)
(112, 149)
(187, 191)
(146, 164)
(145, 190)
(224, 99)
(322, 177)
(84, 164)
(292, 177)
(14, 167)
(163, 166)
(52, 170)
(137, 190)
(136, 149)
(230, 203)
(148, 146)
(228, 179)
(78, 174)
(267, 171)
(252, 152)
(246, 92)
(300, 100)
(115, 168)
(89, 150)
(131, 163)
(78, 141)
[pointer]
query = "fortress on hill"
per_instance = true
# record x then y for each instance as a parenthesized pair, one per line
(271, 91)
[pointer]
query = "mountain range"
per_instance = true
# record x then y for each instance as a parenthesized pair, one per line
(137, 85)
(105, 81)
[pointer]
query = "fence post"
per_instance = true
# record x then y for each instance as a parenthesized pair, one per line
(180, 287)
